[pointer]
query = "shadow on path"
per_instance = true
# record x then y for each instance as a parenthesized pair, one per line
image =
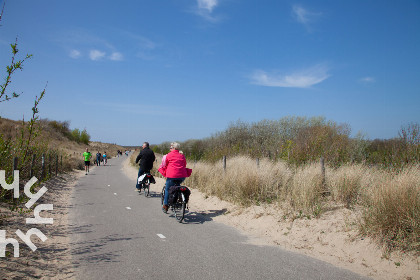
(92, 251)
(202, 217)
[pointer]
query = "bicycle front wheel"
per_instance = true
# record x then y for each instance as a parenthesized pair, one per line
(179, 208)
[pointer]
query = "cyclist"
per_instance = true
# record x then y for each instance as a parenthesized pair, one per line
(146, 158)
(86, 156)
(174, 168)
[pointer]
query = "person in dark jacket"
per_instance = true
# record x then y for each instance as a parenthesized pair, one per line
(146, 158)
(98, 159)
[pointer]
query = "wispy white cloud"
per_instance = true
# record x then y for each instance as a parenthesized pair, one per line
(85, 44)
(75, 54)
(116, 56)
(138, 40)
(205, 9)
(301, 79)
(303, 15)
(300, 14)
(367, 80)
(207, 5)
(143, 46)
(96, 54)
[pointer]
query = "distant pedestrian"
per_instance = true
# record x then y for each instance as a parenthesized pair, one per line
(105, 158)
(86, 156)
(98, 158)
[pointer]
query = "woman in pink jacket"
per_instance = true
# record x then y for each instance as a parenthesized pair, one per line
(174, 168)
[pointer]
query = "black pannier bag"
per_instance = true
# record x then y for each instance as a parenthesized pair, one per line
(147, 176)
(151, 178)
(186, 192)
(174, 192)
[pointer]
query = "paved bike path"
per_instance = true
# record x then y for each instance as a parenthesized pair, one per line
(118, 234)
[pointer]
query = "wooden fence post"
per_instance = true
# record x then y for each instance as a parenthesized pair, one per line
(43, 166)
(15, 165)
(324, 186)
(31, 173)
(56, 165)
(258, 163)
(224, 163)
(49, 165)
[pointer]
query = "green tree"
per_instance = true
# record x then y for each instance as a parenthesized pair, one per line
(75, 134)
(84, 137)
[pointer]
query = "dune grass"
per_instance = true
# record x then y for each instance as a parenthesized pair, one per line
(392, 209)
(390, 200)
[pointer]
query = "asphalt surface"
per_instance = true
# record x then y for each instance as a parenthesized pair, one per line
(118, 234)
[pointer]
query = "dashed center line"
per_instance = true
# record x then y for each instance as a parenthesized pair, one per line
(115, 193)
(128, 208)
(109, 185)
(161, 235)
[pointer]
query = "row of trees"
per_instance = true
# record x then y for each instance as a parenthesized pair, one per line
(299, 140)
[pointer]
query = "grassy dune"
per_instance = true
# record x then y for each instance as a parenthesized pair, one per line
(389, 201)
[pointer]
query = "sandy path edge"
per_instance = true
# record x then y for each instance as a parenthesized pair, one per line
(52, 259)
(332, 238)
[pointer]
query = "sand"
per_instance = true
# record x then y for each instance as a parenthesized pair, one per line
(52, 259)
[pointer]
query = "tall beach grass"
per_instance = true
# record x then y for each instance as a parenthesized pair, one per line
(390, 200)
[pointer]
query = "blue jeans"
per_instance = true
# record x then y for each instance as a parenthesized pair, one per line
(169, 183)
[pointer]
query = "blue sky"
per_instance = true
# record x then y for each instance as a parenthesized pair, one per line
(165, 70)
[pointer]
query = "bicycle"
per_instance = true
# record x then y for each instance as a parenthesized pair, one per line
(145, 180)
(181, 200)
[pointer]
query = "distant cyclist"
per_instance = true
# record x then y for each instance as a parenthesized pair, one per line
(105, 158)
(86, 157)
(146, 158)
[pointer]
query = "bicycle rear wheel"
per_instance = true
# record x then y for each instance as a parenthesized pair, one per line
(146, 189)
(162, 196)
(179, 208)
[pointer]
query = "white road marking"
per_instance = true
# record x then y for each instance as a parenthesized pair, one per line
(161, 235)
(128, 208)
(115, 193)
(109, 185)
